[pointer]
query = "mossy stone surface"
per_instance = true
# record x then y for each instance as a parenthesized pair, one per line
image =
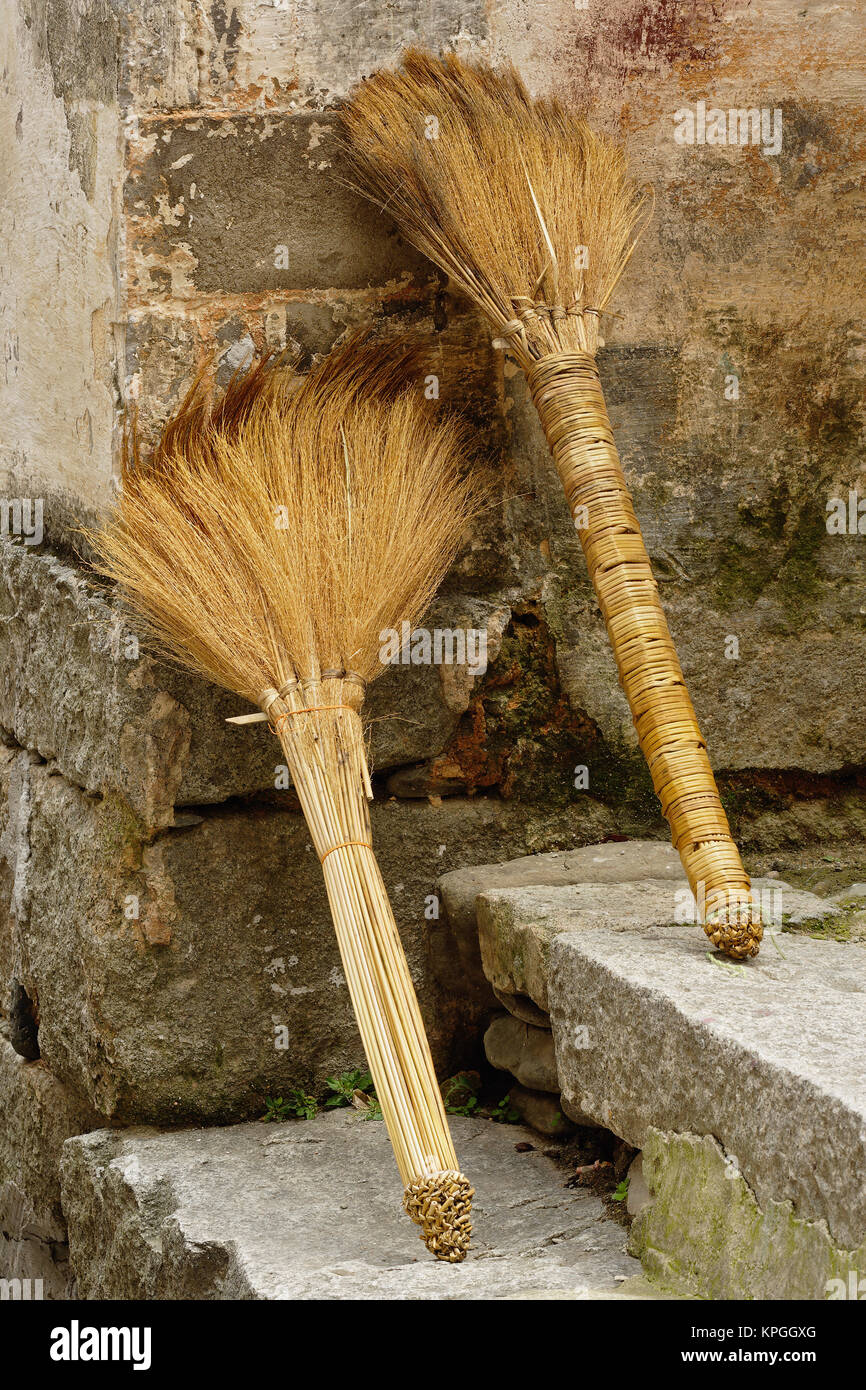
(705, 1230)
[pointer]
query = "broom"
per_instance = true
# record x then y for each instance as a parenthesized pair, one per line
(270, 539)
(533, 215)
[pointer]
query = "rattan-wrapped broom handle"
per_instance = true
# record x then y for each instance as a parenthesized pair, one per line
(566, 389)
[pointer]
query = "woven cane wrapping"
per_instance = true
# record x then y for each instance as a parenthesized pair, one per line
(440, 1204)
(567, 392)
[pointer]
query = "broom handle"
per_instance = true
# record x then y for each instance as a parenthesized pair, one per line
(437, 1196)
(387, 1010)
(566, 389)
(327, 763)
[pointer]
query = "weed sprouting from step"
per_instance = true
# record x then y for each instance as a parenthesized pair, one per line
(296, 1105)
(349, 1088)
(504, 1113)
(460, 1093)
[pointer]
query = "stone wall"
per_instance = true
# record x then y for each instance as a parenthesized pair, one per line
(173, 193)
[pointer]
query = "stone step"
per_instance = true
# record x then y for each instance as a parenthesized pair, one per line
(767, 1057)
(37, 1114)
(516, 925)
(614, 862)
(312, 1209)
(604, 863)
(744, 1084)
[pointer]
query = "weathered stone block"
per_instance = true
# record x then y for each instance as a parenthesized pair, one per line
(62, 173)
(638, 1192)
(652, 1031)
(248, 204)
(39, 1115)
(526, 1052)
(121, 721)
(541, 1111)
(189, 974)
(117, 720)
(601, 863)
(312, 1210)
(517, 926)
(700, 1225)
(184, 977)
(250, 55)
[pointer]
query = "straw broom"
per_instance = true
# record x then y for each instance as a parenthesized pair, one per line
(533, 215)
(269, 540)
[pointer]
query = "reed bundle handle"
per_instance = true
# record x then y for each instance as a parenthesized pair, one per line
(322, 738)
(566, 389)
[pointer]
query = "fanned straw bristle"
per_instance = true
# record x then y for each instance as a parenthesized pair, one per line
(270, 539)
(517, 199)
(281, 528)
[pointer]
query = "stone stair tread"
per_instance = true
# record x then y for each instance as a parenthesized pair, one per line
(312, 1209)
(516, 925)
(654, 1031)
(615, 862)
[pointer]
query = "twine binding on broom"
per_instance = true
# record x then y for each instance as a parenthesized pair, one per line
(346, 844)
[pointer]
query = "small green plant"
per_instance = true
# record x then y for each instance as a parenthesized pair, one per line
(345, 1085)
(460, 1094)
(467, 1108)
(621, 1191)
(296, 1105)
(504, 1113)
(276, 1109)
(373, 1110)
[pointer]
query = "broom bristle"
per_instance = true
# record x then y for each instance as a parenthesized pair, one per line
(276, 532)
(500, 190)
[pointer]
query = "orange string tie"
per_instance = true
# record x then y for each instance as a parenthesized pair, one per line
(361, 843)
(309, 709)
